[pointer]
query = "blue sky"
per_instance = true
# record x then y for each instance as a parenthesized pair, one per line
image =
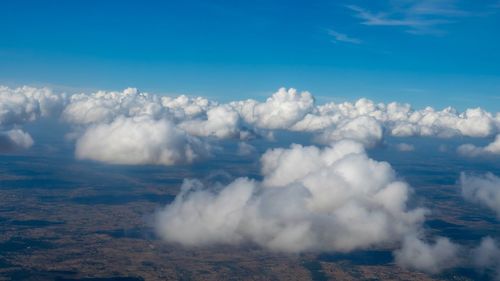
(439, 53)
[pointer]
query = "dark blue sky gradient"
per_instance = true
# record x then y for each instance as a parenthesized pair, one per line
(247, 49)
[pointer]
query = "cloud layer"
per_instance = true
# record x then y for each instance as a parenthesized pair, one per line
(280, 111)
(198, 118)
(363, 121)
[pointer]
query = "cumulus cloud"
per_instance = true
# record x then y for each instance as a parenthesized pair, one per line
(21, 105)
(222, 122)
(184, 107)
(197, 116)
(363, 129)
(287, 109)
(104, 107)
(471, 150)
(337, 198)
(482, 189)
(427, 257)
(138, 140)
(25, 104)
(14, 139)
(281, 111)
(127, 120)
(401, 120)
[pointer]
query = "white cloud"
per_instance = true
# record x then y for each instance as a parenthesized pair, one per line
(363, 120)
(281, 111)
(14, 139)
(430, 258)
(221, 122)
(401, 120)
(483, 189)
(363, 129)
(197, 116)
(138, 140)
(335, 199)
(471, 150)
(104, 107)
(21, 105)
(185, 108)
(446, 123)
(25, 104)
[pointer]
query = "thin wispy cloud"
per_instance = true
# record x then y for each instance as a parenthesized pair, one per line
(443, 8)
(341, 37)
(417, 17)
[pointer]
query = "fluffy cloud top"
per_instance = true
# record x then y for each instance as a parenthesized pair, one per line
(21, 105)
(25, 104)
(363, 121)
(281, 111)
(131, 127)
(104, 107)
(471, 150)
(363, 129)
(184, 107)
(222, 122)
(285, 109)
(484, 190)
(335, 199)
(402, 120)
(431, 258)
(138, 140)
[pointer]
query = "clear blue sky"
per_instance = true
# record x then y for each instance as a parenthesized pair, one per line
(430, 52)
